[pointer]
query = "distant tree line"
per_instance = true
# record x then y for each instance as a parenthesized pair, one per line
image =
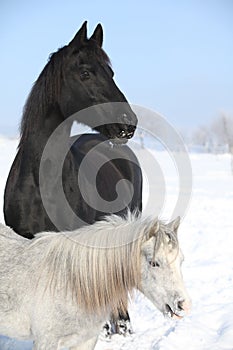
(217, 137)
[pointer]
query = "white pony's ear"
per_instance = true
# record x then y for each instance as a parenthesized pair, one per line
(174, 225)
(154, 228)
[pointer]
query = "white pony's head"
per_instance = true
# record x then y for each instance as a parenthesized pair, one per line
(161, 279)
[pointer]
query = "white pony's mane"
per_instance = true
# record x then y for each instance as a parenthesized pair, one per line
(98, 264)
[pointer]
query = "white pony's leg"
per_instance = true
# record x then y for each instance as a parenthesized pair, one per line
(89, 345)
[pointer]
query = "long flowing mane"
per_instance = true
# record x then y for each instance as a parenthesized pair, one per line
(46, 90)
(98, 264)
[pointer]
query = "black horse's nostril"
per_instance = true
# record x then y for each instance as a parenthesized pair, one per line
(122, 134)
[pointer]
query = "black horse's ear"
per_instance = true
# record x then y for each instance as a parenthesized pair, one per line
(98, 35)
(80, 36)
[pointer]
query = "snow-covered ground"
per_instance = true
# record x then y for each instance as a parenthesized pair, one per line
(206, 236)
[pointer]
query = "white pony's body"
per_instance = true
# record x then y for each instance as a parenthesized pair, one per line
(60, 288)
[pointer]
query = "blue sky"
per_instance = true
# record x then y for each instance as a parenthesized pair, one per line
(173, 56)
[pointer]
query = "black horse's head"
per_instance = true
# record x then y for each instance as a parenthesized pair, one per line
(88, 81)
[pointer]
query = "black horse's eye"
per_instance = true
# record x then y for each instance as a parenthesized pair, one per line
(154, 263)
(84, 75)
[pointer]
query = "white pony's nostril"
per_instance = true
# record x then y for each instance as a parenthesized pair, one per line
(180, 305)
(184, 305)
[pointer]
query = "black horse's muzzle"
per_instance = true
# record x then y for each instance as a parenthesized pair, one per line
(127, 125)
(121, 122)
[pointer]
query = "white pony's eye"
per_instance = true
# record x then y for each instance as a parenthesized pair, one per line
(169, 237)
(154, 263)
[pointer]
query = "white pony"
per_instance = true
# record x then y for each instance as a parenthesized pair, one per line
(60, 288)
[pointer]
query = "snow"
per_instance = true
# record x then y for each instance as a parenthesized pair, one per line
(206, 240)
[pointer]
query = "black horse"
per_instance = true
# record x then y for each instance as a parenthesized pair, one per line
(76, 77)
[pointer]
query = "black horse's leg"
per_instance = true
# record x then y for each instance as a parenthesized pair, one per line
(120, 325)
(123, 325)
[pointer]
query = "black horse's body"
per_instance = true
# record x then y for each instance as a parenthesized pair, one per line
(24, 210)
(76, 77)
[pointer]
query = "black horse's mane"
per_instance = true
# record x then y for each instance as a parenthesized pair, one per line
(46, 89)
